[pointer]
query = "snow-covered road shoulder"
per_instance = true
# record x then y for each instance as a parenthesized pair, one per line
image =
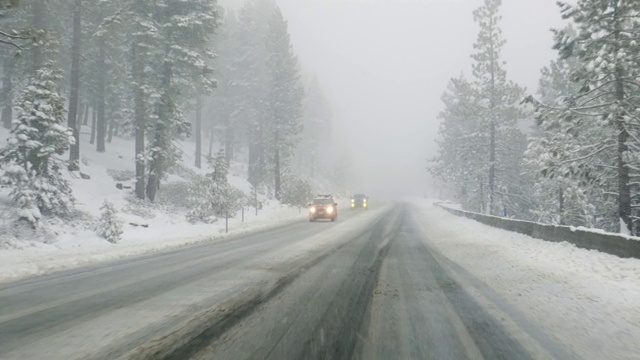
(586, 300)
(83, 247)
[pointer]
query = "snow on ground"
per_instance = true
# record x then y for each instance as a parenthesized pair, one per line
(449, 204)
(587, 300)
(63, 244)
(84, 247)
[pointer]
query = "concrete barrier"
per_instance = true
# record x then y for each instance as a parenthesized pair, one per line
(613, 244)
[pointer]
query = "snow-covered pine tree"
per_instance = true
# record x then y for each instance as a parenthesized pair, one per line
(562, 195)
(23, 41)
(284, 100)
(31, 163)
(212, 196)
(8, 4)
(144, 32)
(201, 206)
(253, 83)
(295, 191)
(109, 226)
(312, 158)
(604, 111)
(74, 88)
(15, 24)
(461, 162)
(226, 103)
(498, 100)
(226, 199)
(185, 30)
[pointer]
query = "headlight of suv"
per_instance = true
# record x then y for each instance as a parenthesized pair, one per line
(329, 209)
(312, 210)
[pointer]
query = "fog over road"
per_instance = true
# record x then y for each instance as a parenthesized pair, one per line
(366, 287)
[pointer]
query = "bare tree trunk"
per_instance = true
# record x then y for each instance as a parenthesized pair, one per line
(277, 166)
(111, 128)
(101, 126)
(492, 165)
(492, 126)
(624, 189)
(561, 206)
(7, 91)
(211, 138)
(228, 140)
(198, 131)
(72, 119)
(482, 207)
(81, 110)
(138, 99)
(38, 24)
(85, 117)
(161, 139)
(256, 156)
(94, 120)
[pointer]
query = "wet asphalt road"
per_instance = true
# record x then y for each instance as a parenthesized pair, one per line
(366, 287)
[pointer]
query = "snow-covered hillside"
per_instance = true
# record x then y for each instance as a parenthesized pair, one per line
(64, 243)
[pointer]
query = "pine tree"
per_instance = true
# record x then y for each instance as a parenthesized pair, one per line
(185, 29)
(563, 196)
(603, 113)
(284, 101)
(227, 101)
(212, 196)
(8, 4)
(312, 158)
(295, 191)
(109, 227)
(498, 99)
(31, 160)
(6, 95)
(460, 162)
(17, 35)
(253, 83)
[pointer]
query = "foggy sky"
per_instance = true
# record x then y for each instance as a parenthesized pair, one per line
(384, 64)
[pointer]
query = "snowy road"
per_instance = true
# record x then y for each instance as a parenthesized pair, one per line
(371, 286)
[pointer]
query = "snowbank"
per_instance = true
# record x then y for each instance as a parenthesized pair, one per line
(63, 244)
(591, 239)
(585, 300)
(83, 247)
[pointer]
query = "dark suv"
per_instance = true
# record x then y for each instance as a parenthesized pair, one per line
(360, 201)
(323, 207)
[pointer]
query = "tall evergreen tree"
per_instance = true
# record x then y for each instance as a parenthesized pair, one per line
(603, 112)
(563, 196)
(312, 157)
(212, 195)
(185, 29)
(498, 99)
(460, 162)
(253, 83)
(72, 119)
(226, 104)
(31, 162)
(284, 102)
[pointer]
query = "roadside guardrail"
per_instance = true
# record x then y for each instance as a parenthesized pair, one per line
(614, 244)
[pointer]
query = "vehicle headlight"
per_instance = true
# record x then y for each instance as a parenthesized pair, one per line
(312, 210)
(353, 200)
(329, 209)
(364, 200)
